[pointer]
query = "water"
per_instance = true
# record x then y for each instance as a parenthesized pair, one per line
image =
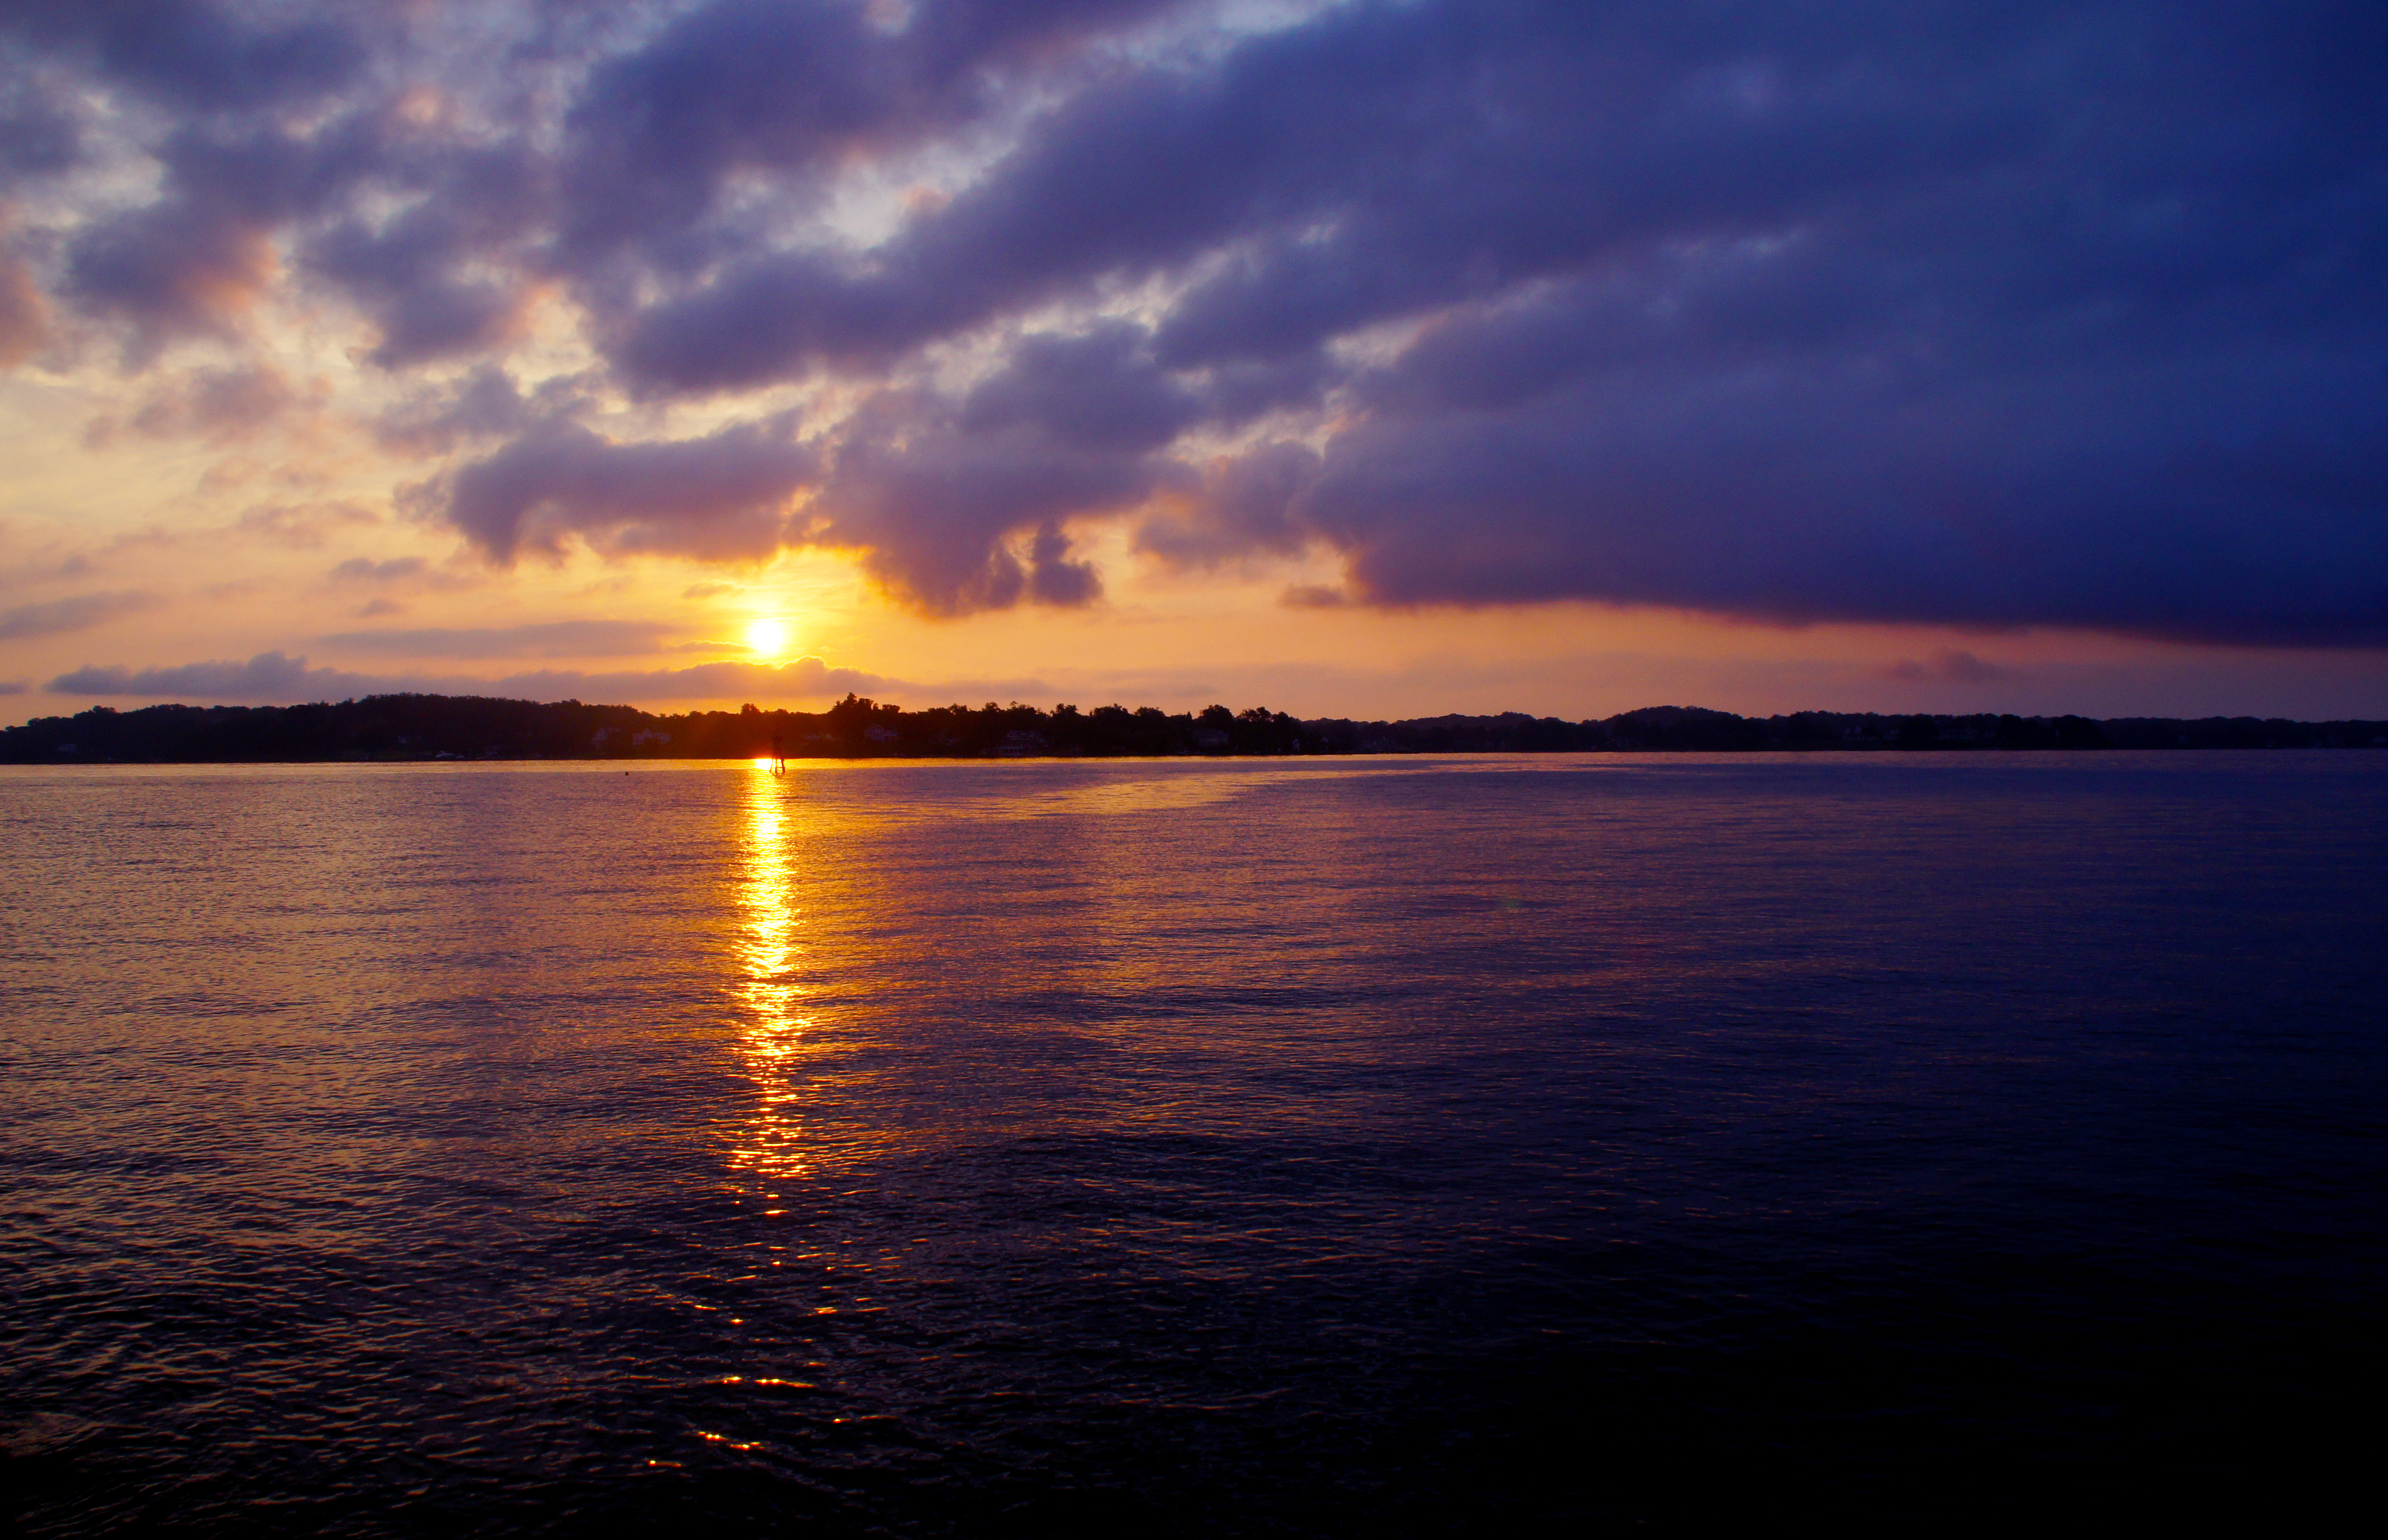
(1354, 1147)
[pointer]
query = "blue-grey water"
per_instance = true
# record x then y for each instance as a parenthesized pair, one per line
(1191, 1147)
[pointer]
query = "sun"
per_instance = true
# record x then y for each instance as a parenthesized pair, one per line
(768, 639)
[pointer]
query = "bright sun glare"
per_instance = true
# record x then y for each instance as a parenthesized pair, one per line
(768, 637)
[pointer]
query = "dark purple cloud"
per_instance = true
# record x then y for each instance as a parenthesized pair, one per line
(1133, 176)
(936, 504)
(953, 511)
(197, 56)
(1991, 314)
(195, 262)
(171, 271)
(1968, 314)
(793, 88)
(723, 497)
(40, 135)
(414, 221)
(482, 405)
(1244, 506)
(1098, 391)
(424, 275)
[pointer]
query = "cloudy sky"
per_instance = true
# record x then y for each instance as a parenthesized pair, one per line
(1372, 359)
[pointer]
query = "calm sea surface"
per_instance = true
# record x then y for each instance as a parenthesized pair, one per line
(1188, 1147)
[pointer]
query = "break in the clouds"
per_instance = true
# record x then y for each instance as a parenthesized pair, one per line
(1986, 314)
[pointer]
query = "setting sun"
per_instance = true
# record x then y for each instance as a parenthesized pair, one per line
(769, 639)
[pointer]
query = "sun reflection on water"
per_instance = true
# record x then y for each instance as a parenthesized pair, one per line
(772, 1033)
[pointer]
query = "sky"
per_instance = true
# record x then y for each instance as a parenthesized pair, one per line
(1349, 359)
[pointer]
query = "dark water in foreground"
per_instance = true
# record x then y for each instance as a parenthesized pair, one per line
(1190, 1147)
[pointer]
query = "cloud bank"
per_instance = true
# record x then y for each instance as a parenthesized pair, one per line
(273, 678)
(559, 638)
(80, 612)
(1992, 315)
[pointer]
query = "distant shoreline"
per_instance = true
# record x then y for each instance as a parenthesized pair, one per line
(399, 728)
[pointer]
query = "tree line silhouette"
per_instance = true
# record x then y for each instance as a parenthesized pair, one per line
(444, 726)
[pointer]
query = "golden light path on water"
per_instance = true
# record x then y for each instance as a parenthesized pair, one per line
(772, 1033)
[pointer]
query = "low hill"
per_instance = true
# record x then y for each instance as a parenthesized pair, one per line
(440, 726)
